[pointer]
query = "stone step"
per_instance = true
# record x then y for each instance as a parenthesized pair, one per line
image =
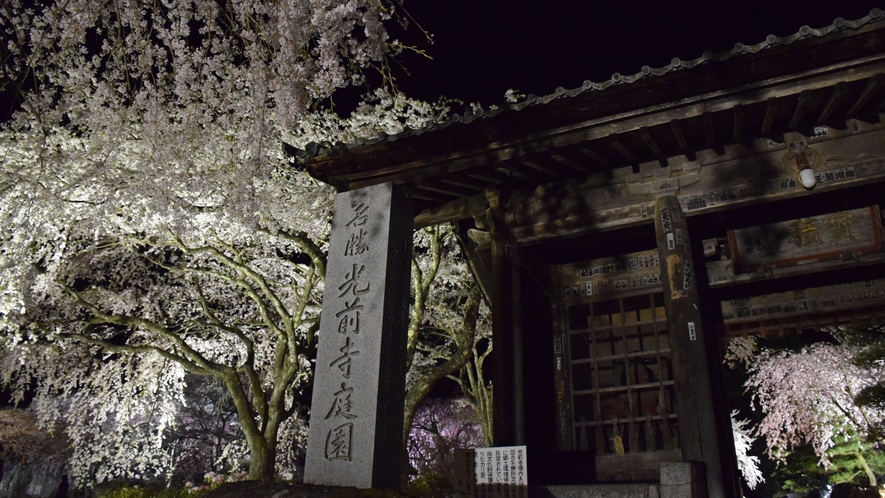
(596, 491)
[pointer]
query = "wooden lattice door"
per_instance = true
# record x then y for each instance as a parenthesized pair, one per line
(614, 370)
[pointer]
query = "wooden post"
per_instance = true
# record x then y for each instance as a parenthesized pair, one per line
(694, 397)
(507, 372)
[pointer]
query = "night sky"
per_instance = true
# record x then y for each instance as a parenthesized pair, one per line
(483, 47)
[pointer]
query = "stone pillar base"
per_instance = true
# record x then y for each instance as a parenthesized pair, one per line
(683, 480)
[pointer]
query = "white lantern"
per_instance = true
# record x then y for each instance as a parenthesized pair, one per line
(806, 177)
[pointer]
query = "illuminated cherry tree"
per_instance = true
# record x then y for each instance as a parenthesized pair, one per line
(152, 224)
(449, 332)
(440, 427)
(809, 397)
(748, 464)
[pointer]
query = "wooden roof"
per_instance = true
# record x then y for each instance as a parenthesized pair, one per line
(820, 77)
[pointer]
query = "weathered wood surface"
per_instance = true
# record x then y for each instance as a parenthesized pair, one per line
(612, 276)
(845, 234)
(635, 273)
(697, 420)
(460, 209)
(507, 374)
(562, 383)
(619, 108)
(801, 302)
(842, 159)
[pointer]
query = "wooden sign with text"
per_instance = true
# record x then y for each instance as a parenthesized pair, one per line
(805, 240)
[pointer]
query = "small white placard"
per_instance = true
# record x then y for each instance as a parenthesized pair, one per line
(498, 472)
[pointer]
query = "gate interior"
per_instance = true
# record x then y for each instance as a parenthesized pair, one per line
(614, 369)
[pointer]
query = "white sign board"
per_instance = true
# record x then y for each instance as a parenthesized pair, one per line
(498, 472)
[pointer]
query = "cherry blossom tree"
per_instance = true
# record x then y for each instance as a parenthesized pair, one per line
(448, 321)
(206, 424)
(152, 225)
(743, 440)
(118, 324)
(809, 397)
(440, 427)
(476, 388)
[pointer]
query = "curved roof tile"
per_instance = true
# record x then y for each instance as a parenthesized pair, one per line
(676, 64)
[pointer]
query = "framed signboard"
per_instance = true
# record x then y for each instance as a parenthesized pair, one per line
(807, 240)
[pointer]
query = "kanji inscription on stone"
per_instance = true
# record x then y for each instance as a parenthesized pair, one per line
(357, 418)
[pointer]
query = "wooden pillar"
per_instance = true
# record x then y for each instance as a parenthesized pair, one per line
(356, 418)
(506, 341)
(694, 397)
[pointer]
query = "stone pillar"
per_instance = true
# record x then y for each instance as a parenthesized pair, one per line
(694, 396)
(682, 480)
(356, 419)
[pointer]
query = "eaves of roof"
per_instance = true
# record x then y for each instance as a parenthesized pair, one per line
(588, 88)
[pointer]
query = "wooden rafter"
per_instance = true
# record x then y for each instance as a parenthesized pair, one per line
(618, 146)
(837, 94)
(652, 146)
(567, 162)
(592, 154)
(540, 167)
(738, 122)
(461, 181)
(676, 126)
(873, 86)
(801, 107)
(771, 105)
(488, 176)
(709, 132)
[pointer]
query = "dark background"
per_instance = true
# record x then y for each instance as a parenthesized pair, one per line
(483, 47)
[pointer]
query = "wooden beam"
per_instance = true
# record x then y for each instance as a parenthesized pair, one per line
(592, 154)
(516, 174)
(738, 122)
(461, 182)
(458, 209)
(434, 186)
(643, 131)
(568, 162)
(680, 136)
(801, 107)
(836, 96)
(504, 330)
(618, 146)
(511, 169)
(619, 204)
(689, 338)
(424, 196)
(709, 132)
(539, 167)
(486, 176)
(873, 86)
(770, 110)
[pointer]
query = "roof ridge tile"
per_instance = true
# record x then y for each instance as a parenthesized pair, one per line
(838, 24)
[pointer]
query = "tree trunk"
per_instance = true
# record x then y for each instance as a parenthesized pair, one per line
(262, 457)
(262, 441)
(419, 391)
(866, 468)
